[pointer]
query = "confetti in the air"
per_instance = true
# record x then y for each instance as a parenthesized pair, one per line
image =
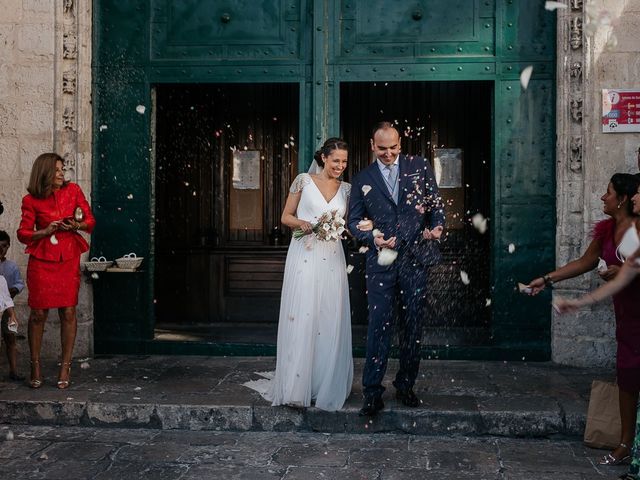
(387, 256)
(141, 109)
(512, 248)
(349, 269)
(479, 222)
(525, 76)
(103, 127)
(366, 189)
(551, 6)
(53, 239)
(464, 277)
(363, 249)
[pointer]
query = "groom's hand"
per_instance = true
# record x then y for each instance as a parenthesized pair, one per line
(382, 243)
(434, 234)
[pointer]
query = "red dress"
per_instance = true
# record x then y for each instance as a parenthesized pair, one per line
(53, 272)
(626, 305)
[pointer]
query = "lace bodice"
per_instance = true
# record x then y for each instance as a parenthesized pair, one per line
(312, 203)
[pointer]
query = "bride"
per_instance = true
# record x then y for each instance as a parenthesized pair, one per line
(314, 361)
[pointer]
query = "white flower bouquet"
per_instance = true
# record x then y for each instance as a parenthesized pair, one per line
(329, 227)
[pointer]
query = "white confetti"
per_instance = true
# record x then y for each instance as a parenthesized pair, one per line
(479, 222)
(349, 269)
(141, 109)
(137, 389)
(53, 239)
(464, 277)
(366, 189)
(487, 302)
(551, 6)
(9, 435)
(526, 289)
(511, 248)
(386, 256)
(84, 365)
(365, 225)
(130, 196)
(525, 76)
(103, 127)
(95, 276)
(363, 249)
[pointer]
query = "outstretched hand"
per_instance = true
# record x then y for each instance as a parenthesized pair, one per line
(565, 305)
(382, 243)
(537, 285)
(434, 234)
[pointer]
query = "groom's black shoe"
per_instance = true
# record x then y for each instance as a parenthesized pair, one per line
(371, 407)
(408, 398)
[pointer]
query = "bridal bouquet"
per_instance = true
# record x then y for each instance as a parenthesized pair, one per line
(330, 226)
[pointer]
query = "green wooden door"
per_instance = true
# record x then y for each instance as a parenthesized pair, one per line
(320, 45)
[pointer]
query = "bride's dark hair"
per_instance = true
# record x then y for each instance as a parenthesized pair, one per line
(329, 146)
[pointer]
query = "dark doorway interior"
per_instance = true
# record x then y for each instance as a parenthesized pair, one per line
(225, 157)
(436, 119)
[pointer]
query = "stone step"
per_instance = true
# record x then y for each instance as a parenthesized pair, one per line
(206, 393)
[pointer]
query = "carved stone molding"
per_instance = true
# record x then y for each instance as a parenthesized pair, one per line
(575, 164)
(576, 109)
(69, 81)
(576, 70)
(576, 5)
(72, 64)
(575, 39)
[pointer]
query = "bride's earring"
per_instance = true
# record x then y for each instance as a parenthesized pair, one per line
(619, 205)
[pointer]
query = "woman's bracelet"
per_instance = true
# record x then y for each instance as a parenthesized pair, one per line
(548, 282)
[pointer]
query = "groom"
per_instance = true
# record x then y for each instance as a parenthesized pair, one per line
(399, 194)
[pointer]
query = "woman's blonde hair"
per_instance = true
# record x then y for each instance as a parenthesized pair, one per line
(43, 173)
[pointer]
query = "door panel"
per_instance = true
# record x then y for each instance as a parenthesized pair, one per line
(226, 155)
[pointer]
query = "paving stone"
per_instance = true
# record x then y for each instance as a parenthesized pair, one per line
(324, 473)
(199, 472)
(142, 471)
(311, 455)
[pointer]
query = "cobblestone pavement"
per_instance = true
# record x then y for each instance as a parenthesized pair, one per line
(65, 453)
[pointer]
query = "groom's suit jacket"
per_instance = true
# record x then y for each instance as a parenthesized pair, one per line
(419, 206)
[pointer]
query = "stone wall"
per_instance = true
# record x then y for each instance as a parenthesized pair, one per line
(45, 80)
(587, 157)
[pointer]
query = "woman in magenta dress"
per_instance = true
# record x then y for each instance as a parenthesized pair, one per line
(607, 235)
(52, 214)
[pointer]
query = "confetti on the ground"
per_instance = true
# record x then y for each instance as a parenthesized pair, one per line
(84, 365)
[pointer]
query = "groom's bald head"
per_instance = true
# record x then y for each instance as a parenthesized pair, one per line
(385, 142)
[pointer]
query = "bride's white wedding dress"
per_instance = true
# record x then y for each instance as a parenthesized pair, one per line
(314, 361)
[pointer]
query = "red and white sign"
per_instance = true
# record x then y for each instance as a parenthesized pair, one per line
(620, 110)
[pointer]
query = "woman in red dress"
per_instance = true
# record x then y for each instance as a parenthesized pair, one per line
(49, 227)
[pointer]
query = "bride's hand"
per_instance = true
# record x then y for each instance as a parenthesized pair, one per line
(306, 227)
(365, 225)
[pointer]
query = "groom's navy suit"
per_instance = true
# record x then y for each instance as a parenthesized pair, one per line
(404, 282)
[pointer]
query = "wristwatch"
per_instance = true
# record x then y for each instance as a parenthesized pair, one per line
(547, 280)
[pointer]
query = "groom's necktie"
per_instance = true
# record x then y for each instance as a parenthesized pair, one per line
(391, 179)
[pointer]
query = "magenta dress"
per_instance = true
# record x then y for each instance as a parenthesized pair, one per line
(626, 305)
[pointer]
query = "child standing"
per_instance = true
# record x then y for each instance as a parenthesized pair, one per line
(9, 270)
